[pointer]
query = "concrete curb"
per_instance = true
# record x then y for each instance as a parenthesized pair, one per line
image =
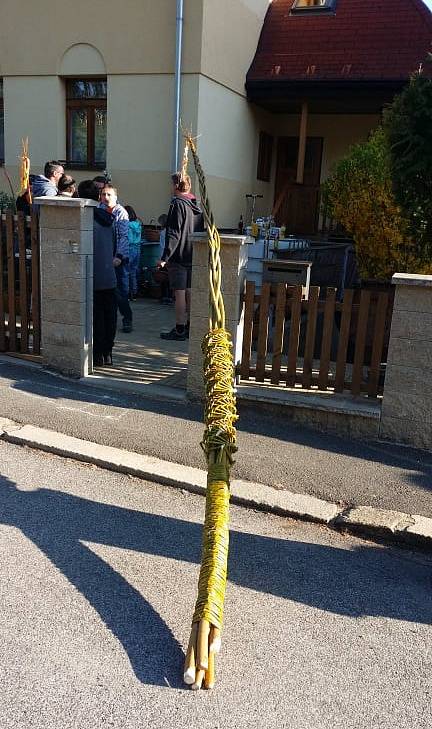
(391, 526)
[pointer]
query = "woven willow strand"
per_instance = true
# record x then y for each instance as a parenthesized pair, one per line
(219, 441)
(217, 307)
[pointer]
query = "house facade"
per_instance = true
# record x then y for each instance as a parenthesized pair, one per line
(94, 84)
(324, 70)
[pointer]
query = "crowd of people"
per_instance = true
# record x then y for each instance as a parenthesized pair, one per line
(117, 233)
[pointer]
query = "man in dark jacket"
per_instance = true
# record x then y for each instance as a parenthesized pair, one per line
(184, 218)
(46, 185)
(104, 278)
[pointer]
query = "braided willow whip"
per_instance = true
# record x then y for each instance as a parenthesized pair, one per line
(25, 168)
(219, 445)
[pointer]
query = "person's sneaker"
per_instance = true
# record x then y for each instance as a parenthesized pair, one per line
(127, 327)
(174, 335)
(107, 360)
(98, 360)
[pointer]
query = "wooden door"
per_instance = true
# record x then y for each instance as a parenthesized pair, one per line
(296, 205)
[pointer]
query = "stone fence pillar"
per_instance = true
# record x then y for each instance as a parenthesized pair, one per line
(234, 256)
(407, 400)
(66, 245)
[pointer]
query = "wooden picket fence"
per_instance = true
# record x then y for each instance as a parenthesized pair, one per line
(315, 342)
(20, 321)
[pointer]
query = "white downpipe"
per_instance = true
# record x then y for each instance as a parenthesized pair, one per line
(177, 92)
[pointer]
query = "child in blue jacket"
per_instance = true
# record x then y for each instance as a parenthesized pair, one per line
(134, 234)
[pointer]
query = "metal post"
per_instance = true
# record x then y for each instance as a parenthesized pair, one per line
(302, 143)
(177, 92)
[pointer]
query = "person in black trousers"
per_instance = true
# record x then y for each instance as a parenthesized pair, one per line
(104, 279)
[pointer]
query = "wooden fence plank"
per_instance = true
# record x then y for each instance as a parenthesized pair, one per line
(11, 281)
(312, 310)
(343, 340)
(296, 303)
(247, 329)
(378, 344)
(278, 336)
(263, 332)
(329, 312)
(23, 287)
(2, 287)
(35, 295)
(363, 317)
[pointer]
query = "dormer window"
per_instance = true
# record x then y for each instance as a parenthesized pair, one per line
(313, 6)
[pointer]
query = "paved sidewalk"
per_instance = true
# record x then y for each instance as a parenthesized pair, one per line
(98, 579)
(142, 356)
(272, 450)
(392, 526)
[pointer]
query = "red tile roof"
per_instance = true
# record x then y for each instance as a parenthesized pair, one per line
(363, 39)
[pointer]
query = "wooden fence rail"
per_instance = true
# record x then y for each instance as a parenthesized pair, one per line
(20, 330)
(319, 342)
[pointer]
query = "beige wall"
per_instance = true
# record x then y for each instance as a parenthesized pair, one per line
(234, 27)
(140, 122)
(134, 47)
(140, 112)
(339, 131)
(228, 129)
(139, 140)
(34, 106)
(134, 37)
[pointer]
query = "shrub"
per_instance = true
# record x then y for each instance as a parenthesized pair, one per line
(408, 128)
(7, 202)
(359, 196)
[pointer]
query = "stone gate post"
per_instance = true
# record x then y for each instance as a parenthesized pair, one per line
(234, 258)
(407, 400)
(66, 246)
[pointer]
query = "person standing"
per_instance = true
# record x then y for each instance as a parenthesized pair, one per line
(108, 198)
(135, 231)
(46, 185)
(66, 186)
(100, 182)
(104, 278)
(184, 217)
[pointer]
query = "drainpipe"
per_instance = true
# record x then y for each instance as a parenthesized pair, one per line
(177, 93)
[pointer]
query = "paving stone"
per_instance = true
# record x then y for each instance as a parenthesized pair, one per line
(370, 519)
(283, 502)
(418, 531)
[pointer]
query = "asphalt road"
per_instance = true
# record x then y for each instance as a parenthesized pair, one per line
(98, 576)
(272, 450)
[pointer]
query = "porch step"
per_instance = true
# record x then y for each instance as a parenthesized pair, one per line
(327, 412)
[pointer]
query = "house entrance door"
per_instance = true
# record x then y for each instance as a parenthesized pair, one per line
(296, 205)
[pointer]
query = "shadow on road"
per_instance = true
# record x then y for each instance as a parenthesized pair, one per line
(368, 581)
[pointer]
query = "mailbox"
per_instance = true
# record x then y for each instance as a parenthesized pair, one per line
(293, 273)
